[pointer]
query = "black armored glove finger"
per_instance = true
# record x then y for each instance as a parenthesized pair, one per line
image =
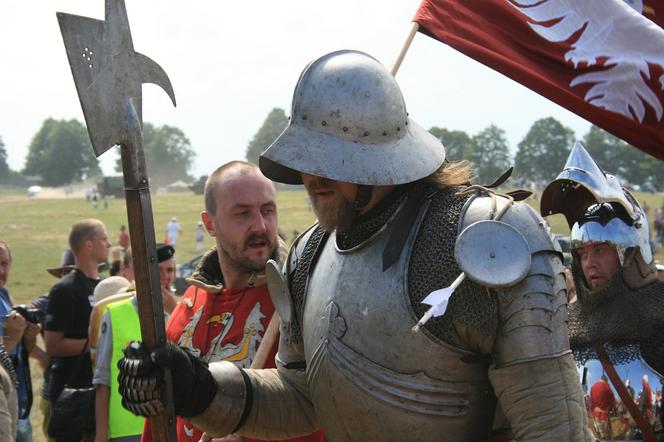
(140, 381)
(193, 384)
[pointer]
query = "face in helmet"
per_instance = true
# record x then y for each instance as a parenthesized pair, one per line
(599, 261)
(601, 241)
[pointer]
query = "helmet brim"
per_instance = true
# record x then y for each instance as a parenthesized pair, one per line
(299, 149)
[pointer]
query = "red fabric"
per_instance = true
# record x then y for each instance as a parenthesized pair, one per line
(241, 316)
(602, 400)
(497, 34)
(652, 9)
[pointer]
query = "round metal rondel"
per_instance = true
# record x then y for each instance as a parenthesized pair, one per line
(492, 254)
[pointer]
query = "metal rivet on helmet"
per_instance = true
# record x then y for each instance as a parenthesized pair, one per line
(357, 102)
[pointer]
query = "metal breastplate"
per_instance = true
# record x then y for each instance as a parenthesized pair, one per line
(615, 423)
(369, 377)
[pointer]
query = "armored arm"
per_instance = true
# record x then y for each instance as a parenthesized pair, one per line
(264, 404)
(533, 373)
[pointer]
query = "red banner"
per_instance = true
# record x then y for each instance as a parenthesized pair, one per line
(601, 59)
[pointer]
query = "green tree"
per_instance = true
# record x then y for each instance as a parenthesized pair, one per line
(274, 124)
(543, 151)
(60, 153)
(623, 160)
(491, 156)
(4, 167)
(458, 144)
(168, 154)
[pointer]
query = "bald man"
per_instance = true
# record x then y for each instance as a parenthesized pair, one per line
(225, 311)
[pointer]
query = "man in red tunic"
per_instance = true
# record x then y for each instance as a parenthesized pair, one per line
(602, 402)
(225, 311)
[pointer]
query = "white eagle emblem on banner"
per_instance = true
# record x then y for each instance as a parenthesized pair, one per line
(614, 35)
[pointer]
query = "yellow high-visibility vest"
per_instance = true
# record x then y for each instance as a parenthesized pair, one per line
(126, 328)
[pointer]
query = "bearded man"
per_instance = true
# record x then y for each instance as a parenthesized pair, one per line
(225, 311)
(618, 314)
(390, 210)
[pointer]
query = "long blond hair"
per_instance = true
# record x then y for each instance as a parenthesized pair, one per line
(452, 174)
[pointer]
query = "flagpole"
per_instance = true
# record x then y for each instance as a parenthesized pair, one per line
(404, 48)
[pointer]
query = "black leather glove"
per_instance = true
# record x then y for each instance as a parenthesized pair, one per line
(141, 380)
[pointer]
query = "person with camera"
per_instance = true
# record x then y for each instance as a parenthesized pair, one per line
(67, 320)
(20, 327)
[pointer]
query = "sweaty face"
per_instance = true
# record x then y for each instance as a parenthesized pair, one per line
(167, 273)
(599, 262)
(245, 222)
(332, 201)
(5, 265)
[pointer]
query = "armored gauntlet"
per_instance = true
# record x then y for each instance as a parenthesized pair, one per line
(141, 380)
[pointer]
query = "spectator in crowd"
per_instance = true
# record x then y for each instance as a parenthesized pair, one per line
(126, 272)
(173, 231)
(41, 304)
(66, 265)
(117, 253)
(108, 290)
(199, 237)
(123, 237)
(127, 266)
(645, 398)
(224, 313)
(69, 307)
(629, 388)
(659, 225)
(19, 339)
(602, 403)
(120, 325)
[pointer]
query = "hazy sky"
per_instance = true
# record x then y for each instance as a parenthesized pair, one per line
(231, 62)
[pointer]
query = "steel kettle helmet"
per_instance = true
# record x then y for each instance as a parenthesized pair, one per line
(597, 208)
(349, 123)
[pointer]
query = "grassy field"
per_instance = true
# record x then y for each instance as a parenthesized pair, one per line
(36, 230)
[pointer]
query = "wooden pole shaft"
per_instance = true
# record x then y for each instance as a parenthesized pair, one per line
(270, 338)
(144, 257)
(406, 45)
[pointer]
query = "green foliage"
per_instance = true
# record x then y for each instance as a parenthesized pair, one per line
(621, 159)
(544, 150)
(61, 153)
(168, 154)
(274, 124)
(458, 144)
(491, 156)
(4, 167)
(7, 175)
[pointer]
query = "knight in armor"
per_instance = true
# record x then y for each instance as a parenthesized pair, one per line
(619, 310)
(390, 210)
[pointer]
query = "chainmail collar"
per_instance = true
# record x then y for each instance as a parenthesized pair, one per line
(627, 320)
(366, 225)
